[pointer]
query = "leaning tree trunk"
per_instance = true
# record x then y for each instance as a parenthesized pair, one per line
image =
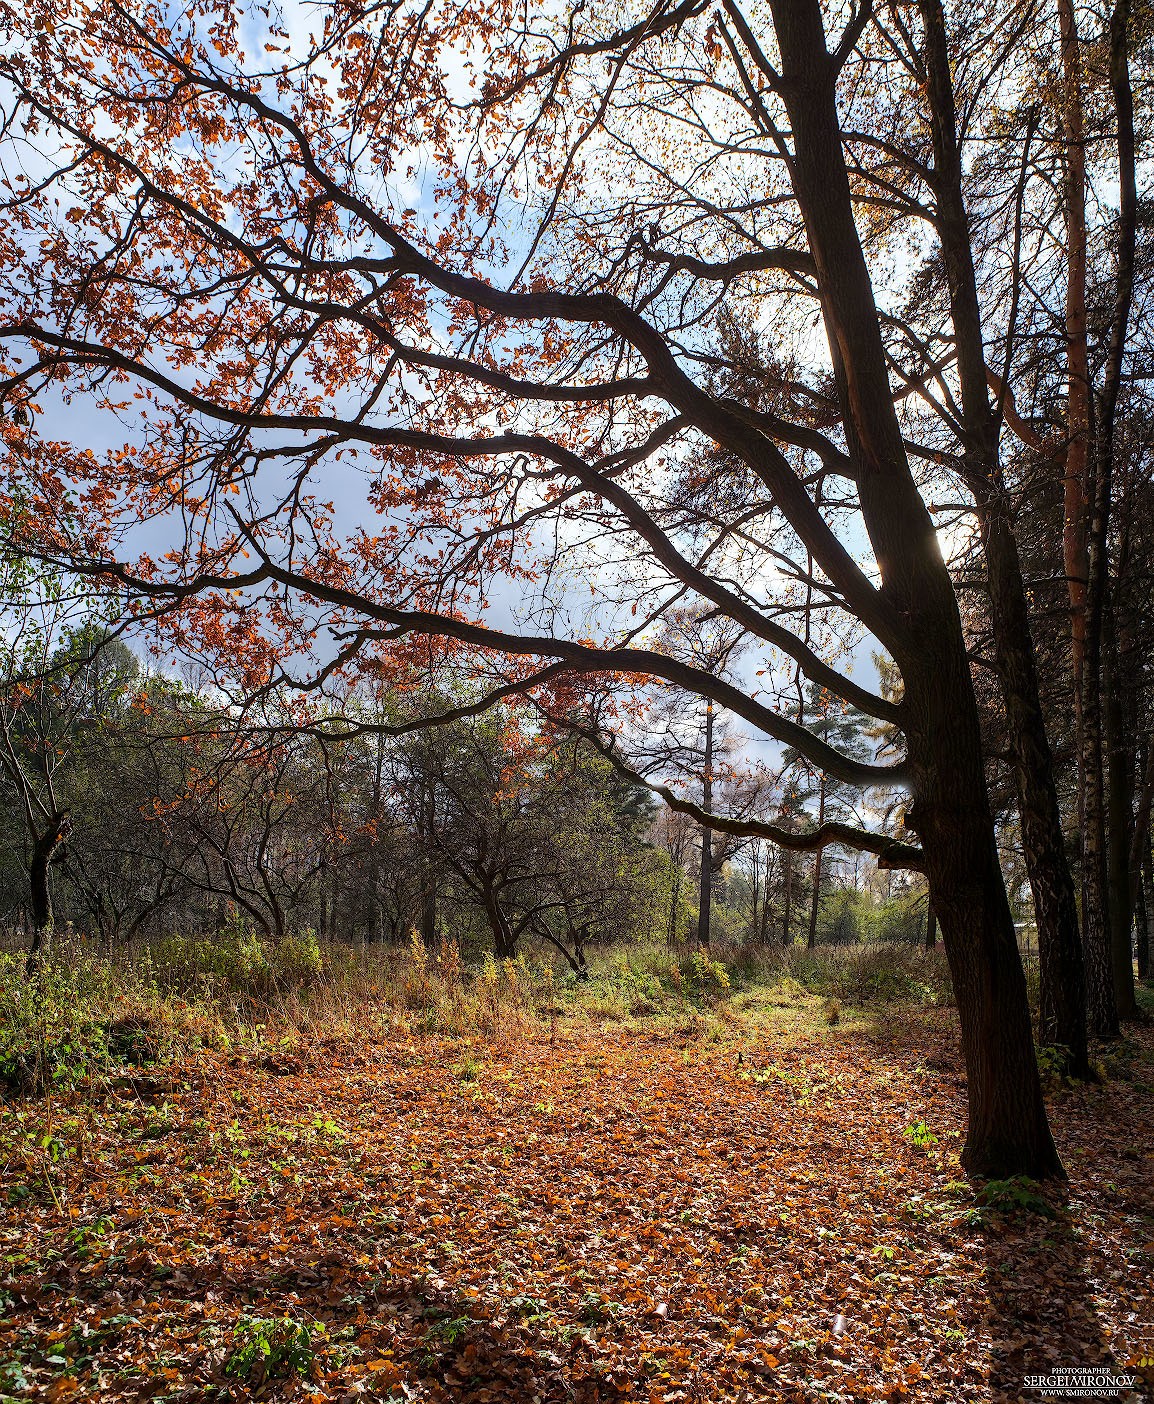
(1062, 994)
(1008, 1132)
(45, 851)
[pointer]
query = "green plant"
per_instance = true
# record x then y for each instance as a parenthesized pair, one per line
(297, 958)
(705, 977)
(920, 1135)
(270, 1348)
(596, 1310)
(451, 1330)
(1053, 1064)
(528, 1308)
(1017, 1194)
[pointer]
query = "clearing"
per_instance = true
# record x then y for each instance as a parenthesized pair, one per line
(608, 1215)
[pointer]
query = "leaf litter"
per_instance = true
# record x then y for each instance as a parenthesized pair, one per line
(609, 1217)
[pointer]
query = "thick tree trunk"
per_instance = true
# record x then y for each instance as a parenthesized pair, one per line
(1062, 1020)
(504, 942)
(1008, 1133)
(931, 926)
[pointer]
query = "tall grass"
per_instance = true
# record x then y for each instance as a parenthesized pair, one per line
(87, 1012)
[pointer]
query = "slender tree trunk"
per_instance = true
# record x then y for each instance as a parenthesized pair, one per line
(766, 908)
(1120, 794)
(1008, 1132)
(1140, 931)
(1146, 889)
(1077, 547)
(428, 878)
(1075, 485)
(815, 901)
(1062, 1020)
(705, 890)
(786, 929)
(674, 902)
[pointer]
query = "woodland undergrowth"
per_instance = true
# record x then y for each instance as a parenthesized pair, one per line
(304, 1172)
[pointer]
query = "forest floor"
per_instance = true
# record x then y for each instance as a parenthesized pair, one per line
(605, 1214)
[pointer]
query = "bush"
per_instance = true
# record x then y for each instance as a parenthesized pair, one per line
(704, 977)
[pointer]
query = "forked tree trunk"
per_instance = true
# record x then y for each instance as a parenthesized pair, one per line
(504, 942)
(45, 851)
(1007, 1133)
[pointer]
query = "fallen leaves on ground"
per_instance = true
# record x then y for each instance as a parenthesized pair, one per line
(612, 1218)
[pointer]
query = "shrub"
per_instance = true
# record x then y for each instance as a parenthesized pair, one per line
(77, 1016)
(297, 959)
(704, 976)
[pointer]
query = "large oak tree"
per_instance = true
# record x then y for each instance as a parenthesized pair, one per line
(409, 322)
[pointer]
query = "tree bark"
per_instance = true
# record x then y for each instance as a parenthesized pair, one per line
(1008, 1132)
(504, 942)
(428, 877)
